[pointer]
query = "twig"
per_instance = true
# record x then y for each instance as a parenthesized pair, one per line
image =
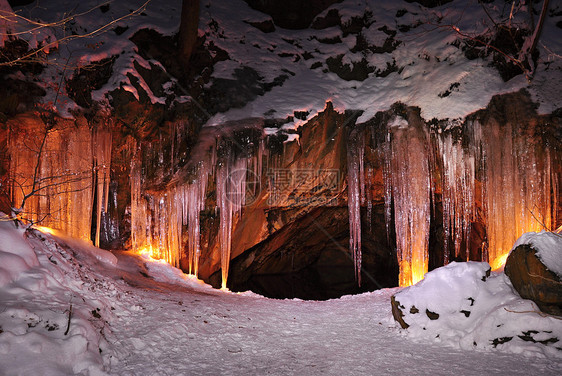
(68, 38)
(543, 314)
(69, 317)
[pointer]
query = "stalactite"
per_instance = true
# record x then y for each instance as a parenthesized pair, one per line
(355, 194)
(231, 194)
(52, 165)
(410, 182)
(458, 175)
(517, 184)
(101, 148)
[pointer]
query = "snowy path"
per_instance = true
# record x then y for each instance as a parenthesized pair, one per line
(178, 332)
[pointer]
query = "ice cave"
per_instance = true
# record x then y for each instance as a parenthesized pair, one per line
(312, 151)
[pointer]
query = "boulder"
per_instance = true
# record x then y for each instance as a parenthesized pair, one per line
(533, 280)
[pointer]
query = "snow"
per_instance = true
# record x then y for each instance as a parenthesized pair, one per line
(428, 63)
(142, 316)
(475, 311)
(548, 246)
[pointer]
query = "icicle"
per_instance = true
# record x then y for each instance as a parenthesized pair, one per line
(411, 195)
(231, 189)
(517, 185)
(139, 216)
(458, 193)
(355, 194)
(102, 167)
(369, 197)
(196, 199)
(386, 156)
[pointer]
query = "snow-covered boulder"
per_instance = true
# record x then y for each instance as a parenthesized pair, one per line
(534, 267)
(449, 293)
(466, 305)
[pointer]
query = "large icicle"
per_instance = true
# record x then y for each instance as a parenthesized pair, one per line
(193, 204)
(51, 167)
(517, 184)
(409, 172)
(102, 168)
(458, 193)
(355, 194)
(231, 194)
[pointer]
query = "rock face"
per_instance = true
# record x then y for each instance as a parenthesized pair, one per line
(533, 280)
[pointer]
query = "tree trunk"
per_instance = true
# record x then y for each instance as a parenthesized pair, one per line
(189, 26)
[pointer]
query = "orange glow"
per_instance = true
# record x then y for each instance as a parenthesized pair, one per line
(46, 230)
(499, 262)
(411, 273)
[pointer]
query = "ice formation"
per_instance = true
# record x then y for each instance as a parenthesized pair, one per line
(159, 220)
(518, 185)
(410, 181)
(356, 194)
(457, 193)
(498, 172)
(51, 173)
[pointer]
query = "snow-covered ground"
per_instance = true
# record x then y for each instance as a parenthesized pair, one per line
(130, 315)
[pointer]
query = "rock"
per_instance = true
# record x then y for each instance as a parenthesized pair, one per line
(292, 14)
(266, 26)
(397, 312)
(532, 280)
(430, 3)
(458, 284)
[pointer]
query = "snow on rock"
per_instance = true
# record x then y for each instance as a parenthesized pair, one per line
(411, 54)
(459, 305)
(548, 246)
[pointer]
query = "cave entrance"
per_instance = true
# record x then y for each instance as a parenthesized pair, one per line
(309, 259)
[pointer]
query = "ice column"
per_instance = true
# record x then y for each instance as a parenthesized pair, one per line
(517, 182)
(458, 193)
(355, 193)
(231, 194)
(410, 182)
(102, 168)
(52, 166)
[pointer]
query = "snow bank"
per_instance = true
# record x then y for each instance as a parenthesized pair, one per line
(549, 248)
(16, 254)
(41, 285)
(162, 271)
(459, 305)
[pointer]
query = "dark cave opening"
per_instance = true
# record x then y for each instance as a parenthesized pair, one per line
(309, 258)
